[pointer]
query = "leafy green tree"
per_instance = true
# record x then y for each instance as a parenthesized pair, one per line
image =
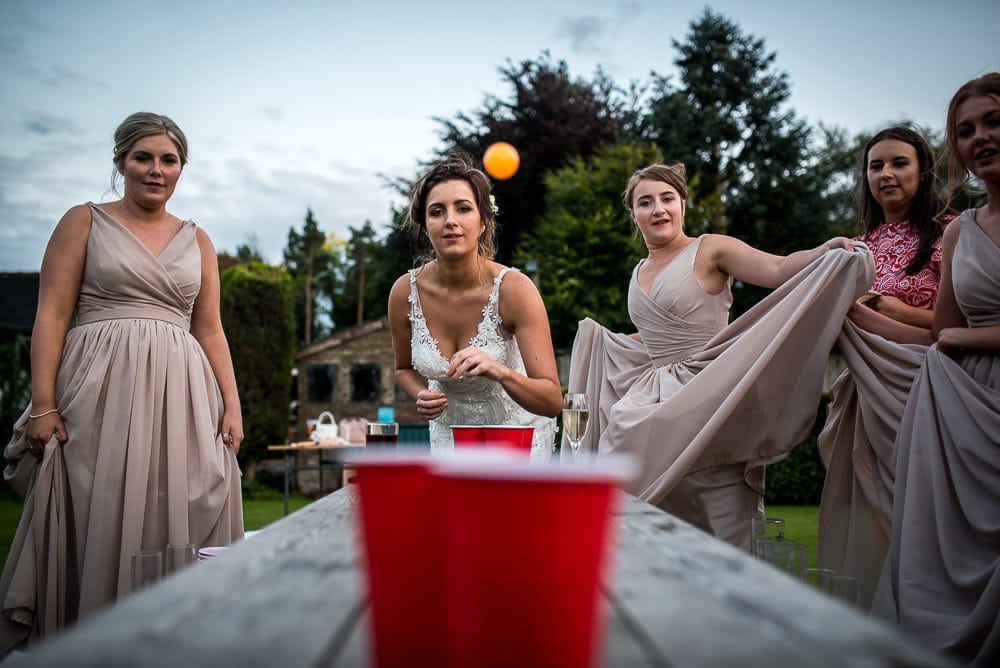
(314, 266)
(551, 118)
(256, 304)
(585, 245)
(748, 157)
(249, 252)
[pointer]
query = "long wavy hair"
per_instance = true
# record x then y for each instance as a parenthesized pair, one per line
(927, 207)
(457, 166)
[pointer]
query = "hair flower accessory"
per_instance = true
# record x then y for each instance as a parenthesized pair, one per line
(494, 209)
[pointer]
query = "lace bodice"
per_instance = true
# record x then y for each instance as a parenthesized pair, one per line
(474, 400)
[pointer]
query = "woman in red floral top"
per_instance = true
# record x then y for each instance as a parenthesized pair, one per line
(903, 217)
(884, 342)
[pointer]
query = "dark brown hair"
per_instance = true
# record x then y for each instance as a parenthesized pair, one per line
(456, 167)
(926, 208)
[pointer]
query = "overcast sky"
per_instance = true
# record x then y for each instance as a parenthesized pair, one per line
(290, 105)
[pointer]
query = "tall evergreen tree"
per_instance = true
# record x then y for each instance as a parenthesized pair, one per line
(747, 155)
(314, 268)
(361, 296)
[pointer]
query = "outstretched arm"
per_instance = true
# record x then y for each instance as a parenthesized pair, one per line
(728, 256)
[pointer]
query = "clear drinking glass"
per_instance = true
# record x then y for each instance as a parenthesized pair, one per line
(772, 528)
(147, 568)
(574, 418)
(180, 555)
(820, 578)
(845, 588)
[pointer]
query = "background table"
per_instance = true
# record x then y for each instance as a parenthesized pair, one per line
(291, 460)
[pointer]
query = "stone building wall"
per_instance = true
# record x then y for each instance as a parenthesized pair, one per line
(363, 361)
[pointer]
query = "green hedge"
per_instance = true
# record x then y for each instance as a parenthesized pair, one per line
(256, 304)
(797, 480)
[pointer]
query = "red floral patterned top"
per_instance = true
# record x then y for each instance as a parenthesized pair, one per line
(893, 246)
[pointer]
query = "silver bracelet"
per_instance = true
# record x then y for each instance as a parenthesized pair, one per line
(35, 417)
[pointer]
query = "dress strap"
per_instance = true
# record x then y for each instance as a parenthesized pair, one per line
(491, 306)
(415, 311)
(491, 313)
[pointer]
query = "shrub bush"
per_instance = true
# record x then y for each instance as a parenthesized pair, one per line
(797, 480)
(256, 304)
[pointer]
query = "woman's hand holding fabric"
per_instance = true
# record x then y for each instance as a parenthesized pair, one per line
(41, 430)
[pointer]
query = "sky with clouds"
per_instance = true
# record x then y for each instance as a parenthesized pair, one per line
(315, 104)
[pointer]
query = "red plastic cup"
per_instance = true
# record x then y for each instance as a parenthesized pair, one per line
(526, 546)
(403, 557)
(468, 435)
(508, 436)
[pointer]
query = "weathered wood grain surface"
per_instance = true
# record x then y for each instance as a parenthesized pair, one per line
(293, 596)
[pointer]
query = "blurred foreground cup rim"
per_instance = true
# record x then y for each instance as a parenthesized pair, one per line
(493, 465)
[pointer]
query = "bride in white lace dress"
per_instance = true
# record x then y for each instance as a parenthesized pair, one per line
(471, 337)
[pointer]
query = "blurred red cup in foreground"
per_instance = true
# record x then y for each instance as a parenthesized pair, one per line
(402, 531)
(402, 557)
(525, 548)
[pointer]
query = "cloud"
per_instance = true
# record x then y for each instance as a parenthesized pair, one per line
(271, 113)
(584, 33)
(44, 124)
(590, 35)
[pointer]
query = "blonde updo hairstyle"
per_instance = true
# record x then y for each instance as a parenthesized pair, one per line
(674, 175)
(456, 167)
(138, 126)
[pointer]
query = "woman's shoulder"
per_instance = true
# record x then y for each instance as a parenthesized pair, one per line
(83, 211)
(510, 277)
(951, 231)
(401, 286)
(78, 218)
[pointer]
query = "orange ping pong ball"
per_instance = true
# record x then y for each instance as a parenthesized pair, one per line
(501, 160)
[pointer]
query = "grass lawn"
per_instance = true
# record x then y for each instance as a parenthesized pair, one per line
(263, 506)
(259, 510)
(800, 525)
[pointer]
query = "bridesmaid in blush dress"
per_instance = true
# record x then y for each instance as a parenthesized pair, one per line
(941, 581)
(703, 403)
(129, 442)
(883, 342)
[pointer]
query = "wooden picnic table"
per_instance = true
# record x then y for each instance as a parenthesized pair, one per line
(293, 596)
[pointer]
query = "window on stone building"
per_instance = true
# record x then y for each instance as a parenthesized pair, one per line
(366, 383)
(321, 383)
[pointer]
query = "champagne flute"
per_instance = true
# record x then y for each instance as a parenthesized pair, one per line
(574, 416)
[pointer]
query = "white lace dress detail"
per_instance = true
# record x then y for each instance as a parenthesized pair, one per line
(474, 400)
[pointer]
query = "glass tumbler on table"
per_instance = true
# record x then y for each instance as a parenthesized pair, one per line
(575, 415)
